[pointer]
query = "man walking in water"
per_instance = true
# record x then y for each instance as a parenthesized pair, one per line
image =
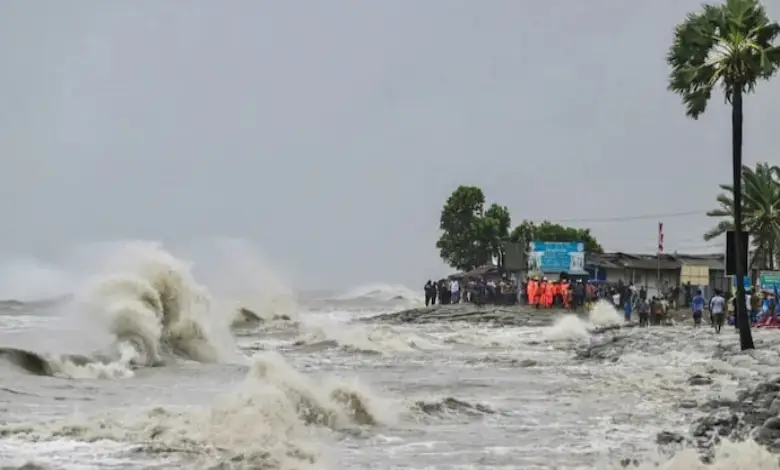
(643, 308)
(697, 305)
(718, 310)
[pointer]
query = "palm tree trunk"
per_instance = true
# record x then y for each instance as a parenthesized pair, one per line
(745, 337)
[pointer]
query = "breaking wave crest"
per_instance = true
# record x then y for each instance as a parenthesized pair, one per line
(149, 304)
(75, 366)
(157, 301)
(573, 327)
(264, 423)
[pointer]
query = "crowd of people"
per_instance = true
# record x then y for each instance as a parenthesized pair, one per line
(576, 293)
(563, 293)
(480, 291)
(761, 305)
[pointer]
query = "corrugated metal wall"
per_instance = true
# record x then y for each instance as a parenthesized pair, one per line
(515, 257)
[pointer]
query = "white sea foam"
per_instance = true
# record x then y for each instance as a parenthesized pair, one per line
(573, 327)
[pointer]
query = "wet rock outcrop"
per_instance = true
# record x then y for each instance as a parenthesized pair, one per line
(517, 315)
(755, 414)
(245, 317)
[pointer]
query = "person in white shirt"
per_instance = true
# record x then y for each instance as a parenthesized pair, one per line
(718, 310)
(454, 291)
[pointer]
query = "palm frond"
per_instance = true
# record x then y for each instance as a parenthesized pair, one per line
(730, 45)
(720, 213)
(760, 211)
(722, 227)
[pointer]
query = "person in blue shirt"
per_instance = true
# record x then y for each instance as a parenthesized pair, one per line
(766, 307)
(697, 306)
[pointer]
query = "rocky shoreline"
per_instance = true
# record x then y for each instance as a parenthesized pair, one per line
(754, 415)
(498, 315)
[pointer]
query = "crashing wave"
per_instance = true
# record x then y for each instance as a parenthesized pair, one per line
(262, 424)
(153, 309)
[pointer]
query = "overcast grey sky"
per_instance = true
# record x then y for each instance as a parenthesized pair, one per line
(329, 133)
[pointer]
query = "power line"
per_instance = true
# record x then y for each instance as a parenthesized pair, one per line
(666, 215)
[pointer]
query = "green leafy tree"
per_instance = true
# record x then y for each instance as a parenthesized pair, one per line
(528, 231)
(495, 230)
(472, 236)
(760, 212)
(730, 46)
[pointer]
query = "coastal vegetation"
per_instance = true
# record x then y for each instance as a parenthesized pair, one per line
(760, 213)
(472, 235)
(728, 48)
(551, 232)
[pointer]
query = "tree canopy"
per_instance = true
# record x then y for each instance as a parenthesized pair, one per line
(472, 235)
(729, 46)
(528, 231)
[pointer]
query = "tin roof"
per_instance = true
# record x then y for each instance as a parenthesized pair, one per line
(665, 262)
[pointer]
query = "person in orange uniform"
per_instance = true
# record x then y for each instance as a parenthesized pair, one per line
(590, 294)
(541, 287)
(549, 294)
(532, 288)
(565, 294)
(537, 292)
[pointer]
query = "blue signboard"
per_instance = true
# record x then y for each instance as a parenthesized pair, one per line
(554, 257)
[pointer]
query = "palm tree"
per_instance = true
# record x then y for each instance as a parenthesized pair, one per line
(731, 46)
(760, 212)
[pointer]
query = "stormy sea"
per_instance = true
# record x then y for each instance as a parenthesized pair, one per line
(147, 362)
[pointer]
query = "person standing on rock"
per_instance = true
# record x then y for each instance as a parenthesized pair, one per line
(718, 310)
(454, 291)
(444, 292)
(430, 293)
(578, 295)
